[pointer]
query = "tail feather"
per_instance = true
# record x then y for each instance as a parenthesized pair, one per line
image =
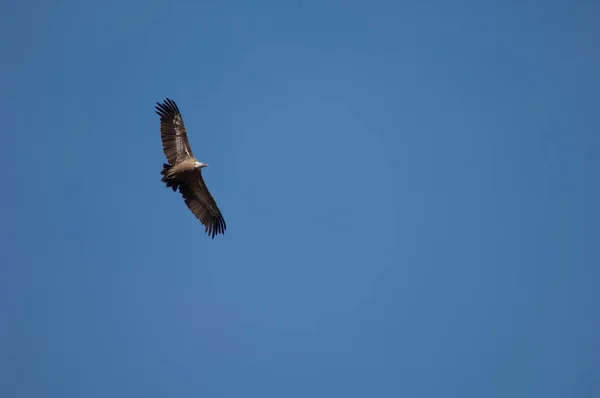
(166, 168)
(173, 184)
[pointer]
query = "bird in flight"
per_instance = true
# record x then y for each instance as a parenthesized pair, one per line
(184, 171)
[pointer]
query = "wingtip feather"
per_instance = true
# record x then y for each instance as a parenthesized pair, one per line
(167, 108)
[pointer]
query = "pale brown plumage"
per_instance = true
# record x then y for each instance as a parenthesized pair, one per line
(184, 170)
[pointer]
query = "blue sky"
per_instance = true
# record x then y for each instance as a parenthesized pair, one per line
(410, 190)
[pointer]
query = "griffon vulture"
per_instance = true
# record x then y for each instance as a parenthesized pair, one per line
(184, 171)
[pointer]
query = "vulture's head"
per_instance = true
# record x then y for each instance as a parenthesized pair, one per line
(200, 165)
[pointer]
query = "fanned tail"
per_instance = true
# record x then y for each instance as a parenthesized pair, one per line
(173, 184)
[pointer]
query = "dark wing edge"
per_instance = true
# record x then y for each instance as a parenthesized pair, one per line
(173, 132)
(201, 203)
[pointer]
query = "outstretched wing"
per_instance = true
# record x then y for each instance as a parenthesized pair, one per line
(173, 133)
(199, 200)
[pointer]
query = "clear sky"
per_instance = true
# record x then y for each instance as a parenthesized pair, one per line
(410, 190)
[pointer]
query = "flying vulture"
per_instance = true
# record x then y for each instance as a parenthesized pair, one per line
(184, 171)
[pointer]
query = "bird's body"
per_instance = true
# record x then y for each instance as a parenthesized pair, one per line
(184, 171)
